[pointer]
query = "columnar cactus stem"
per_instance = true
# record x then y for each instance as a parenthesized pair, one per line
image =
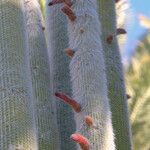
(17, 121)
(116, 88)
(59, 71)
(88, 76)
(48, 136)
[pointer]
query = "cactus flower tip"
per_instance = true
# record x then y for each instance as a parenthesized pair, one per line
(128, 96)
(117, 1)
(50, 4)
(69, 52)
(43, 28)
(69, 12)
(88, 120)
(121, 31)
(75, 105)
(56, 94)
(109, 39)
(81, 140)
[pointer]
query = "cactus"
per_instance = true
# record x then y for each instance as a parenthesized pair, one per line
(57, 41)
(116, 88)
(17, 116)
(38, 109)
(48, 136)
(88, 76)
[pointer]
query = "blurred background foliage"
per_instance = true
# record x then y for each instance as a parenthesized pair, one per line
(42, 3)
(138, 86)
(137, 77)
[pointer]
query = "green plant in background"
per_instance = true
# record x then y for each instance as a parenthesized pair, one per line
(138, 86)
(42, 4)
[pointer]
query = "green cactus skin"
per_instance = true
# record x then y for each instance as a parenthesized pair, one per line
(47, 129)
(17, 121)
(59, 70)
(115, 79)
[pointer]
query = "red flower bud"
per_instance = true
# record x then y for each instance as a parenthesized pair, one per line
(69, 52)
(109, 39)
(68, 11)
(121, 31)
(76, 106)
(117, 1)
(89, 120)
(128, 96)
(81, 140)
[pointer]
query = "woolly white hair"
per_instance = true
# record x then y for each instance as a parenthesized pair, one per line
(88, 74)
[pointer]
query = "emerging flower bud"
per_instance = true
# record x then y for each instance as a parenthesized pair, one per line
(121, 31)
(76, 106)
(81, 140)
(68, 11)
(109, 39)
(69, 52)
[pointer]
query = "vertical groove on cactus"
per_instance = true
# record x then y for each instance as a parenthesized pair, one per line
(17, 121)
(88, 76)
(59, 71)
(117, 96)
(48, 136)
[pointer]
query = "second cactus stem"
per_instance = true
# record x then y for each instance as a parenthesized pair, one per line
(93, 117)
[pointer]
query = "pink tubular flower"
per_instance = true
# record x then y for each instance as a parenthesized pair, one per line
(76, 106)
(68, 11)
(81, 140)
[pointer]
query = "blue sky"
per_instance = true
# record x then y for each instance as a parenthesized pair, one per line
(134, 29)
